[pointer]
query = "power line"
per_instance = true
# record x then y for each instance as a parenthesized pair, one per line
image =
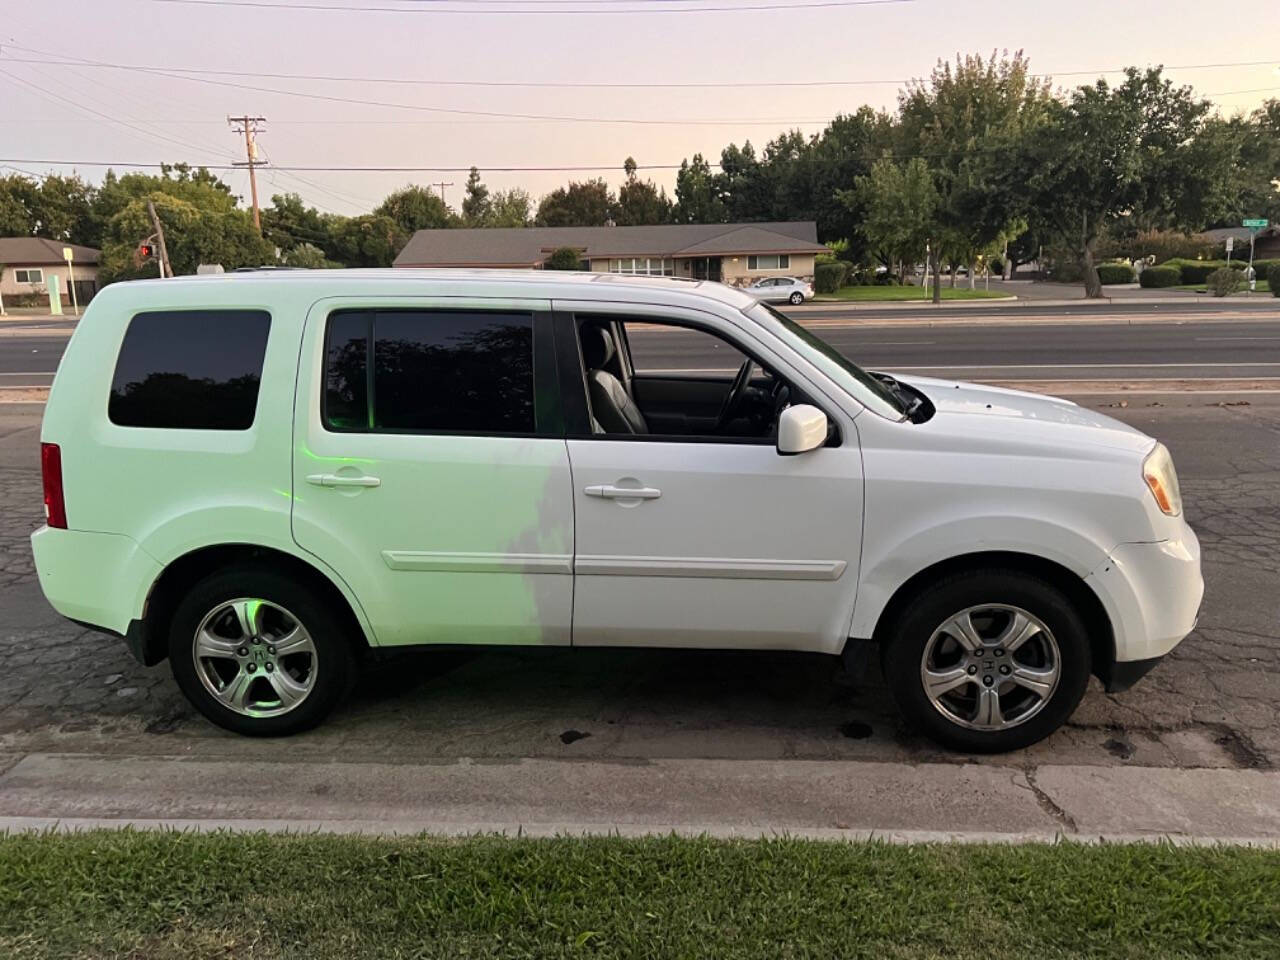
(569, 84)
(509, 11)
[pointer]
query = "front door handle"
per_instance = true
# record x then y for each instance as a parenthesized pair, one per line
(610, 492)
(338, 480)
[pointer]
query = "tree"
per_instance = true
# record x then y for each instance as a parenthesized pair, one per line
(309, 256)
(63, 209)
(370, 240)
(476, 205)
(587, 204)
(1110, 153)
(963, 120)
(639, 201)
(698, 198)
(564, 258)
(843, 152)
(289, 223)
(900, 204)
(415, 208)
(17, 206)
(510, 208)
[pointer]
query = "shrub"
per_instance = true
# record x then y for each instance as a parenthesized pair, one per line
(1163, 276)
(1111, 273)
(1224, 281)
(830, 277)
(1273, 277)
(564, 258)
(1197, 271)
(995, 266)
(1164, 245)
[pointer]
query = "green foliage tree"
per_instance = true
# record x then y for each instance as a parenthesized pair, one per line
(639, 201)
(369, 240)
(698, 196)
(900, 203)
(843, 152)
(564, 258)
(18, 200)
(289, 223)
(1111, 153)
(415, 208)
(309, 256)
(64, 210)
(587, 204)
(963, 119)
(476, 203)
(510, 208)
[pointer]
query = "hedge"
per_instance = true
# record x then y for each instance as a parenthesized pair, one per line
(1224, 281)
(1273, 277)
(1111, 273)
(1163, 276)
(830, 277)
(1197, 271)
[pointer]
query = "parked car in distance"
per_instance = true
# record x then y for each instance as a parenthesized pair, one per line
(781, 290)
(265, 477)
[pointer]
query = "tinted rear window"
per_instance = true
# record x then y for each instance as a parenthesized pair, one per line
(433, 372)
(190, 369)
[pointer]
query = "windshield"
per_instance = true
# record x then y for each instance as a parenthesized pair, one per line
(855, 381)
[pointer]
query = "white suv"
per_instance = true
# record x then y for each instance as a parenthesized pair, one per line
(262, 477)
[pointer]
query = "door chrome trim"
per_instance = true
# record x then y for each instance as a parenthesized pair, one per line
(734, 568)
(438, 562)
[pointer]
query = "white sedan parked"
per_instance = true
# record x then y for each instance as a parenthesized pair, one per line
(781, 290)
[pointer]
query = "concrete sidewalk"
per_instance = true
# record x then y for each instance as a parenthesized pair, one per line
(841, 799)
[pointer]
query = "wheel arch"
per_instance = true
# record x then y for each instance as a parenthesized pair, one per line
(180, 574)
(1101, 632)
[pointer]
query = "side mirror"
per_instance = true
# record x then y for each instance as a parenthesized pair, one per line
(800, 429)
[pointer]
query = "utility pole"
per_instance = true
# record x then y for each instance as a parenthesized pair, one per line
(250, 127)
(165, 269)
(441, 186)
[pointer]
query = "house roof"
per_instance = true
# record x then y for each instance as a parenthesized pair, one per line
(21, 251)
(529, 246)
(1220, 234)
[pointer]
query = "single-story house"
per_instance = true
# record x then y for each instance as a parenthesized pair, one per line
(735, 253)
(27, 263)
(1266, 246)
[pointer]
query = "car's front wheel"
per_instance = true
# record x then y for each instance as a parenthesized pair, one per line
(988, 660)
(259, 653)
(797, 298)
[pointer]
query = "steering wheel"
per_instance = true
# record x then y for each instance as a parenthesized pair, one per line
(733, 399)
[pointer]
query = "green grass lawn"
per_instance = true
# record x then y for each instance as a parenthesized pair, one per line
(160, 896)
(1263, 287)
(910, 293)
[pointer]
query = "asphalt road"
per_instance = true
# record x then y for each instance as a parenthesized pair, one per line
(1118, 343)
(1214, 703)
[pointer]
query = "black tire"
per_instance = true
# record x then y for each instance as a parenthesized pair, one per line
(797, 298)
(334, 658)
(906, 641)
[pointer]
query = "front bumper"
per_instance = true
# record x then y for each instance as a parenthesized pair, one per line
(1152, 594)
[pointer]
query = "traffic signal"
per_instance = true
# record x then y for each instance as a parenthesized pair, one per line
(146, 251)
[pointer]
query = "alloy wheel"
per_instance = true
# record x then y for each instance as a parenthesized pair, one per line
(990, 667)
(255, 657)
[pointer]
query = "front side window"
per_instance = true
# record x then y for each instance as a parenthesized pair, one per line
(770, 261)
(28, 276)
(429, 371)
(190, 369)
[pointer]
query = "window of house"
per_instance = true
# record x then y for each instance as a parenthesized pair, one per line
(28, 276)
(646, 266)
(769, 261)
(432, 371)
(190, 369)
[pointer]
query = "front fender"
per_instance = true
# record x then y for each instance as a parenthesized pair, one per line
(889, 564)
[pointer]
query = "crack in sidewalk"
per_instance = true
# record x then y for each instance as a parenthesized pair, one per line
(1045, 801)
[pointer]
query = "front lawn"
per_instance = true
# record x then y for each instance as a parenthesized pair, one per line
(910, 293)
(322, 897)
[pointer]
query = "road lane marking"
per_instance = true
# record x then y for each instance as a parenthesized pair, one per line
(1225, 339)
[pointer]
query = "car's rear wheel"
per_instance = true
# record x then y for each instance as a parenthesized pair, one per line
(260, 653)
(797, 297)
(989, 660)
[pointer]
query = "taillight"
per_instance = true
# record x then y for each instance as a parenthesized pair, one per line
(55, 504)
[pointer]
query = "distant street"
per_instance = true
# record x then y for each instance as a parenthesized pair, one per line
(1239, 340)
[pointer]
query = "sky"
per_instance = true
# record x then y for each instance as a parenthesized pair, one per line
(780, 65)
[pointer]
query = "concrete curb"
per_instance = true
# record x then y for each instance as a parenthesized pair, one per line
(850, 800)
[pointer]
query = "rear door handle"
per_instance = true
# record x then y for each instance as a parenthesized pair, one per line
(610, 492)
(337, 480)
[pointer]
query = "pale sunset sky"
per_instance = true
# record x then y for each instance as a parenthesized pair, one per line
(57, 111)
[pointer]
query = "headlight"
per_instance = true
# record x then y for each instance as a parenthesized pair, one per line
(1162, 480)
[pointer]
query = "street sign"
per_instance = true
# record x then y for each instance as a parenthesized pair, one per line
(1231, 244)
(1255, 224)
(68, 254)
